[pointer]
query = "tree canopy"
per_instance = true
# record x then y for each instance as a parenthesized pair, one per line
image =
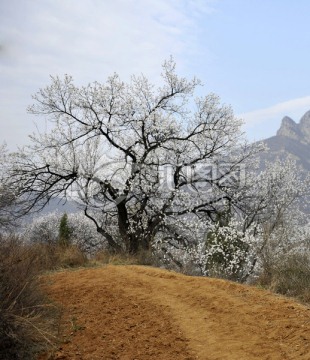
(143, 162)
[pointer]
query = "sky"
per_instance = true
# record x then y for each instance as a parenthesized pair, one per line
(254, 54)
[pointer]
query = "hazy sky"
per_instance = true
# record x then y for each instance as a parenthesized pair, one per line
(255, 54)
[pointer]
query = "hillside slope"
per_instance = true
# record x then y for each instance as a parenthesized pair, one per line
(141, 313)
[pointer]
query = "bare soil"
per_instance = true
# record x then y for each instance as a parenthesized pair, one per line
(142, 313)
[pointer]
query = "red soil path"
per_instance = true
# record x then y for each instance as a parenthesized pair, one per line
(141, 313)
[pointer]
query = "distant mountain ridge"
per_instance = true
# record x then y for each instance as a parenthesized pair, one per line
(300, 132)
(292, 139)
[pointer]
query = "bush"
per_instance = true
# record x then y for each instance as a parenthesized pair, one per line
(27, 321)
(70, 256)
(291, 276)
(143, 257)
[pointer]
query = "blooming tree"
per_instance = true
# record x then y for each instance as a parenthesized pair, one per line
(8, 193)
(281, 206)
(142, 162)
(42, 229)
(45, 229)
(261, 224)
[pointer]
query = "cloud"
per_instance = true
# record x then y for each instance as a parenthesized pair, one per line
(90, 37)
(289, 108)
(255, 122)
(88, 40)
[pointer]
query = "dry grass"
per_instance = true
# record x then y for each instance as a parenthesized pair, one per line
(142, 258)
(289, 276)
(28, 321)
(70, 256)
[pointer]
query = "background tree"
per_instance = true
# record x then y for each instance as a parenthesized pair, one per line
(64, 235)
(9, 204)
(141, 161)
(265, 227)
(44, 229)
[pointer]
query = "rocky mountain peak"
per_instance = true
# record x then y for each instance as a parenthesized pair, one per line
(305, 118)
(305, 126)
(292, 130)
(292, 140)
(289, 129)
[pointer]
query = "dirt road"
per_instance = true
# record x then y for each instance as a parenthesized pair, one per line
(141, 313)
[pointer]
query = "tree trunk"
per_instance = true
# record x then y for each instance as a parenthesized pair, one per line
(130, 240)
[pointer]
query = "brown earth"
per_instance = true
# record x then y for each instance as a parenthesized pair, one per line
(142, 313)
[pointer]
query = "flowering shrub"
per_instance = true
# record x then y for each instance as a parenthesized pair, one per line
(223, 251)
(250, 235)
(229, 252)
